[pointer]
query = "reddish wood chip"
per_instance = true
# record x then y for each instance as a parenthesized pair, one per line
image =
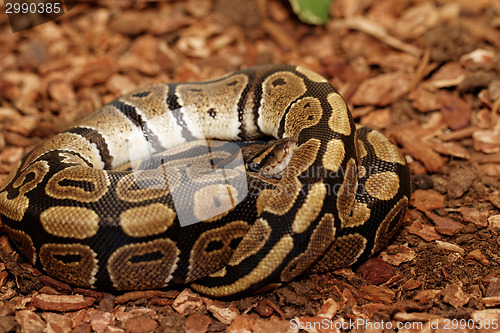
(415, 316)
(456, 112)
(445, 225)
(89, 292)
(62, 91)
(424, 231)
(495, 199)
(329, 309)
(11, 154)
(187, 302)
(427, 200)
(450, 148)
(424, 100)
(225, 313)
(494, 223)
(418, 148)
(95, 71)
(132, 22)
(455, 296)
(56, 322)
(140, 324)
(142, 56)
(62, 302)
(56, 284)
(135, 295)
(469, 214)
(396, 255)
(375, 270)
(264, 309)
(491, 315)
(29, 321)
(99, 320)
(197, 323)
(379, 294)
(450, 74)
(490, 169)
(478, 256)
(426, 296)
(377, 119)
(17, 140)
(449, 247)
(411, 284)
(381, 90)
(492, 286)
(487, 141)
(252, 323)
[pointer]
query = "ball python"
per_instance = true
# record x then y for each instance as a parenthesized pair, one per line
(142, 195)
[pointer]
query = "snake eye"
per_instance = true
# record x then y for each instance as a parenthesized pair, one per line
(254, 167)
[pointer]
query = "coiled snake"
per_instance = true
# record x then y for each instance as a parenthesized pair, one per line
(133, 197)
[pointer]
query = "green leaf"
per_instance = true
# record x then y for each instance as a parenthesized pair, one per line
(312, 11)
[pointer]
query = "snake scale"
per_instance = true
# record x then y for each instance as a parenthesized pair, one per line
(141, 195)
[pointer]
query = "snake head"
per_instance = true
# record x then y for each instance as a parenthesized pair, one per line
(272, 158)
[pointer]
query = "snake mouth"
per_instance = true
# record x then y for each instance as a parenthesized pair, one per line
(279, 157)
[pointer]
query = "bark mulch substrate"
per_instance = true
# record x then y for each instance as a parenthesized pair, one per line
(425, 73)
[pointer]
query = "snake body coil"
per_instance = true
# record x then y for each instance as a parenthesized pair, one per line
(129, 199)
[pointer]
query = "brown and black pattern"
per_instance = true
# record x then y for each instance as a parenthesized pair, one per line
(139, 196)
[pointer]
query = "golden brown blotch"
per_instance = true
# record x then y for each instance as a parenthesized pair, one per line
(286, 192)
(304, 113)
(15, 208)
(214, 248)
(385, 149)
(383, 186)
(252, 243)
(130, 269)
(79, 272)
(279, 90)
(343, 252)
(310, 208)
(321, 238)
(146, 221)
(70, 222)
(98, 179)
(339, 120)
